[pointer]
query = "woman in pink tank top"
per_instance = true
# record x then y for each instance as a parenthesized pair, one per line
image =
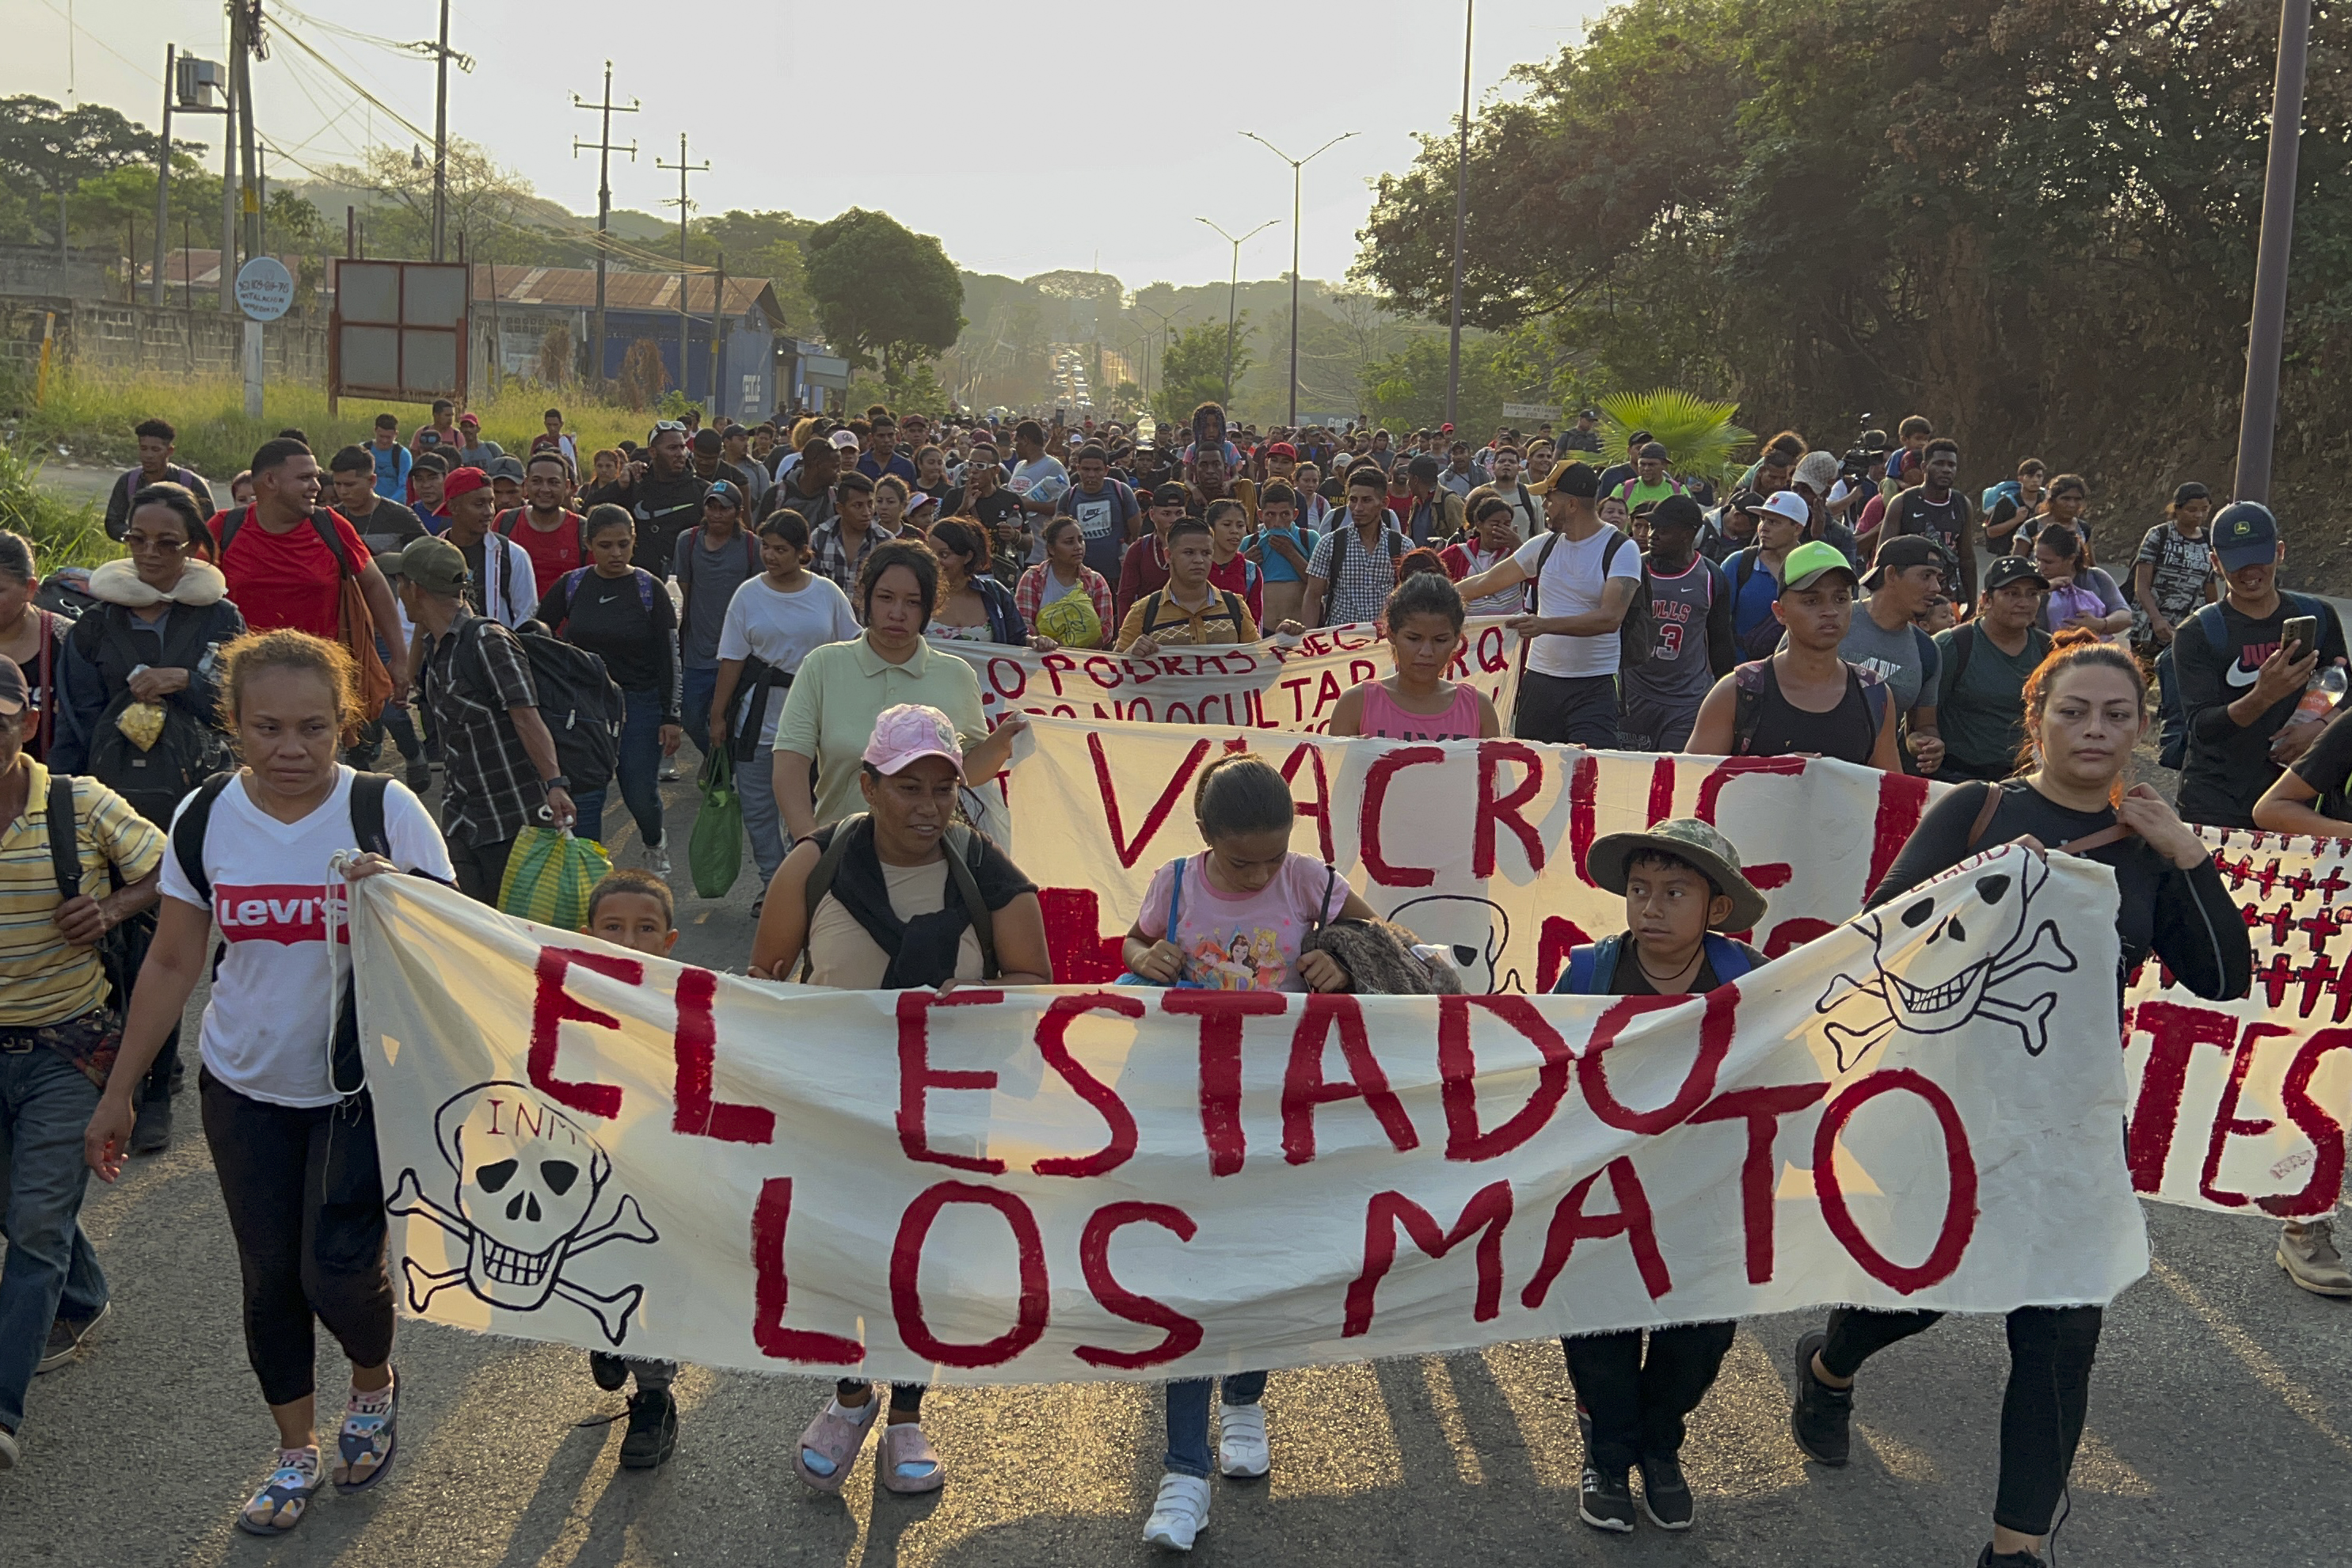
(1418, 703)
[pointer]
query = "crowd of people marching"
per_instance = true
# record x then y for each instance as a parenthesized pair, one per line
(777, 593)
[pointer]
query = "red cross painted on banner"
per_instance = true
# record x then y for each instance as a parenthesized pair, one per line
(2298, 884)
(2342, 991)
(2316, 976)
(2322, 925)
(2256, 839)
(2237, 873)
(2267, 878)
(2276, 977)
(2280, 921)
(2335, 883)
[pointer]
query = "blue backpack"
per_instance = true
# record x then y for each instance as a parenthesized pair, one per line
(1592, 968)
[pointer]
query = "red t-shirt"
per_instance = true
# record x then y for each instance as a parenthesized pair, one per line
(288, 579)
(552, 554)
(1240, 575)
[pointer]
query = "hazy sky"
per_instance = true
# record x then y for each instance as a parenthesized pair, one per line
(959, 128)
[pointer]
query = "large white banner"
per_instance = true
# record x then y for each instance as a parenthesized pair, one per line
(586, 1145)
(1283, 683)
(1480, 846)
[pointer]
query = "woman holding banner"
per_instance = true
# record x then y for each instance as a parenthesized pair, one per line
(892, 899)
(843, 688)
(2085, 708)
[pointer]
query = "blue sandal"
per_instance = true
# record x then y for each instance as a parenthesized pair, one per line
(282, 1500)
(368, 1436)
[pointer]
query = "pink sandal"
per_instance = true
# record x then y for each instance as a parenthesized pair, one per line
(836, 1438)
(904, 1445)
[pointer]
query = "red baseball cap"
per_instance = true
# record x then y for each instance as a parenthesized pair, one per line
(460, 480)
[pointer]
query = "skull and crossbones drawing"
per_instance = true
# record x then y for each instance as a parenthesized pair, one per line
(1935, 983)
(528, 1180)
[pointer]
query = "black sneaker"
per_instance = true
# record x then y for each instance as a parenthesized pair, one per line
(1820, 1418)
(610, 1372)
(418, 776)
(1665, 1495)
(1606, 1502)
(1989, 1558)
(653, 1430)
(152, 1132)
(66, 1340)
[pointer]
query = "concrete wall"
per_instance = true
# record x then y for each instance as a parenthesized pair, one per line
(131, 339)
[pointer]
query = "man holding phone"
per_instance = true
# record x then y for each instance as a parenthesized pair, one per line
(2244, 666)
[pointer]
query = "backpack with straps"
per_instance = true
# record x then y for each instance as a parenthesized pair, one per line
(1340, 535)
(123, 948)
(2217, 631)
(184, 753)
(960, 842)
(578, 700)
(1592, 968)
(1964, 645)
(2098, 838)
(1748, 683)
(366, 807)
(1635, 634)
(1234, 607)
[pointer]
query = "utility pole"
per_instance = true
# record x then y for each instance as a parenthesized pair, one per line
(1461, 221)
(684, 206)
(605, 151)
(163, 168)
(2266, 332)
(441, 136)
(1233, 294)
(1296, 178)
(230, 115)
(717, 332)
(244, 25)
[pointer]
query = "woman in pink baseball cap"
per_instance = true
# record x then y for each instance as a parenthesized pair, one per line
(898, 896)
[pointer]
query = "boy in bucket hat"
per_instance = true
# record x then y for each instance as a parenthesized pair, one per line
(1683, 887)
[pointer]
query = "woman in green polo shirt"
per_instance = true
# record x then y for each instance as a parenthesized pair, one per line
(842, 688)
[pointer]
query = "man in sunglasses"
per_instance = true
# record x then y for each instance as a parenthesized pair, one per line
(663, 493)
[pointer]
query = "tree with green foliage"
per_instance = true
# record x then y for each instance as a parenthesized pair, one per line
(53, 150)
(883, 293)
(2021, 216)
(760, 245)
(1192, 371)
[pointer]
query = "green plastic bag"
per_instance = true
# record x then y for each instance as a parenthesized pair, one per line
(549, 874)
(714, 851)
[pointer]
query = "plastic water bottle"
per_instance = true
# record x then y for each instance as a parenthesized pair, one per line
(2319, 698)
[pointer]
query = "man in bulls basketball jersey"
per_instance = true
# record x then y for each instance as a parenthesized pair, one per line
(1690, 634)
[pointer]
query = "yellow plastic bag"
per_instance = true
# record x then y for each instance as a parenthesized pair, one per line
(549, 874)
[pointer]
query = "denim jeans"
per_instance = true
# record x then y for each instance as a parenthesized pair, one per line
(1188, 1419)
(763, 820)
(638, 772)
(45, 1105)
(695, 706)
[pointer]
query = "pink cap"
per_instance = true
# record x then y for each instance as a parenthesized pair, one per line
(909, 732)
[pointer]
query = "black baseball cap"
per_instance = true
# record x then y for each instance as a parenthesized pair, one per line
(2245, 534)
(2008, 569)
(1570, 478)
(1902, 552)
(13, 695)
(1171, 495)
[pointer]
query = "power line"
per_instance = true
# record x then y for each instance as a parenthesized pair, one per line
(403, 120)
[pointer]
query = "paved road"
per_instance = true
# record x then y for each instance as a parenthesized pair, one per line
(2220, 1431)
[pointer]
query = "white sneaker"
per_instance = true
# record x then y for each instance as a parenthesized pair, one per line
(1178, 1514)
(658, 862)
(1241, 1440)
(9, 1453)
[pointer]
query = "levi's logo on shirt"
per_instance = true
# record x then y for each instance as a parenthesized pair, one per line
(288, 912)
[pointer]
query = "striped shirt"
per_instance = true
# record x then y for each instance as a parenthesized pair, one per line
(44, 979)
(490, 789)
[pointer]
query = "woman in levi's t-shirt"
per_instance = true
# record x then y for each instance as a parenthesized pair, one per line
(1232, 917)
(1423, 618)
(296, 1155)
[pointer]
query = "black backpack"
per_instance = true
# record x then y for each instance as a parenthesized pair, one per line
(962, 849)
(185, 753)
(581, 705)
(366, 805)
(125, 946)
(1635, 635)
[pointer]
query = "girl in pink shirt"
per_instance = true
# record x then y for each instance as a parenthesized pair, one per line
(1418, 703)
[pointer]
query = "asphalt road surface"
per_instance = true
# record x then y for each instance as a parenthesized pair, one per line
(2220, 1431)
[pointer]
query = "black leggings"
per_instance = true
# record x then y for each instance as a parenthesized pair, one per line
(906, 1398)
(2050, 1350)
(306, 1205)
(1636, 1403)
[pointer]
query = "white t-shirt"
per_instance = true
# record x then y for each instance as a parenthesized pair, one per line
(764, 622)
(267, 1028)
(1571, 585)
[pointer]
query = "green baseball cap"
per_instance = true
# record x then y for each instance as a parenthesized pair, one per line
(1808, 564)
(437, 565)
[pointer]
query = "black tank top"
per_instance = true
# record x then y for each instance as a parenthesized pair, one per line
(1846, 731)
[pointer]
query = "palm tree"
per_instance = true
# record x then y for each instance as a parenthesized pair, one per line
(1697, 433)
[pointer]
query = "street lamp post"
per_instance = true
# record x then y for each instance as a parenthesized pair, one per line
(2266, 333)
(1233, 294)
(1460, 222)
(1296, 164)
(1167, 327)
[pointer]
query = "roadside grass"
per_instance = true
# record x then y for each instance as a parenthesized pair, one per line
(91, 415)
(64, 532)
